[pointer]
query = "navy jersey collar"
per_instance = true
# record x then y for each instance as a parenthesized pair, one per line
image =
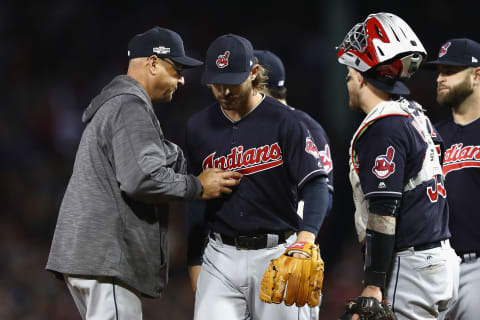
(254, 108)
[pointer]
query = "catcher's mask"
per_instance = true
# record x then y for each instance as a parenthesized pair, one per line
(385, 49)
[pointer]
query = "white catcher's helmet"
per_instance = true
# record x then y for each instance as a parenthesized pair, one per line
(382, 39)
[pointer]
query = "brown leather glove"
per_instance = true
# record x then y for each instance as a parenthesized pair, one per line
(303, 275)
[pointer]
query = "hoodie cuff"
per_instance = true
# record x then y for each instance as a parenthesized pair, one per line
(194, 188)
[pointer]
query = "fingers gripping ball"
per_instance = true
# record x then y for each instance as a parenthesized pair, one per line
(294, 280)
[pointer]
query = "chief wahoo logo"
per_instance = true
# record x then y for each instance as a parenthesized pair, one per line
(384, 165)
(444, 49)
(222, 60)
(312, 149)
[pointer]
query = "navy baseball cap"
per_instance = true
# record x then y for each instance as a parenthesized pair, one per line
(229, 60)
(274, 66)
(392, 86)
(163, 43)
(458, 52)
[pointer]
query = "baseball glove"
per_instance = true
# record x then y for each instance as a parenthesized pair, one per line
(368, 308)
(303, 275)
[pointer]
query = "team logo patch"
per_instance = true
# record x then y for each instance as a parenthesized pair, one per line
(247, 162)
(222, 60)
(384, 165)
(326, 159)
(444, 49)
(311, 148)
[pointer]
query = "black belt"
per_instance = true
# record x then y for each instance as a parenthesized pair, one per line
(424, 246)
(254, 242)
(469, 256)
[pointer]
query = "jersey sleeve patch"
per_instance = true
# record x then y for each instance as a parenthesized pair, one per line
(381, 159)
(312, 149)
(384, 164)
(326, 158)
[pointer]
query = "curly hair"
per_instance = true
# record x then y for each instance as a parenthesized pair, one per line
(260, 82)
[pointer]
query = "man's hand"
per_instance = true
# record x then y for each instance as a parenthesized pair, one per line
(370, 291)
(194, 272)
(304, 236)
(217, 182)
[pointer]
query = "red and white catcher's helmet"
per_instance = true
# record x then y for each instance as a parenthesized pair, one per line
(382, 39)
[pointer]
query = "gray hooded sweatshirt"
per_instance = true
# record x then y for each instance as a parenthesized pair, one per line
(113, 217)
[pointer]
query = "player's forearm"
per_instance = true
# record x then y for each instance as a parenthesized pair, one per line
(380, 240)
(330, 200)
(378, 255)
(194, 272)
(315, 197)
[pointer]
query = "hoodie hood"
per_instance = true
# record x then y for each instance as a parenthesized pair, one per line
(122, 84)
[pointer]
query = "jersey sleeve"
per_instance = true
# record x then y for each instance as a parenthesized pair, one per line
(381, 153)
(300, 151)
(315, 196)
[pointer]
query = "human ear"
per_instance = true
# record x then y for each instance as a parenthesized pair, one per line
(253, 72)
(361, 80)
(152, 62)
(476, 73)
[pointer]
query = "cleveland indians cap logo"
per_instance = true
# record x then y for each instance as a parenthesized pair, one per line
(384, 165)
(222, 60)
(444, 49)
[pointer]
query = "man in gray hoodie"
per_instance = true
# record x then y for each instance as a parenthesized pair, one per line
(110, 242)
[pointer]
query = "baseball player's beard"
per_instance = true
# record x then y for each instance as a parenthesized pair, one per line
(234, 102)
(231, 103)
(453, 97)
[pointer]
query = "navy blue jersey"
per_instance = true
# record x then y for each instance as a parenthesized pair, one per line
(273, 150)
(461, 166)
(321, 140)
(389, 153)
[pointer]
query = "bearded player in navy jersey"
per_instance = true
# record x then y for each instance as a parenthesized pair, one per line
(276, 88)
(401, 210)
(249, 132)
(458, 87)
